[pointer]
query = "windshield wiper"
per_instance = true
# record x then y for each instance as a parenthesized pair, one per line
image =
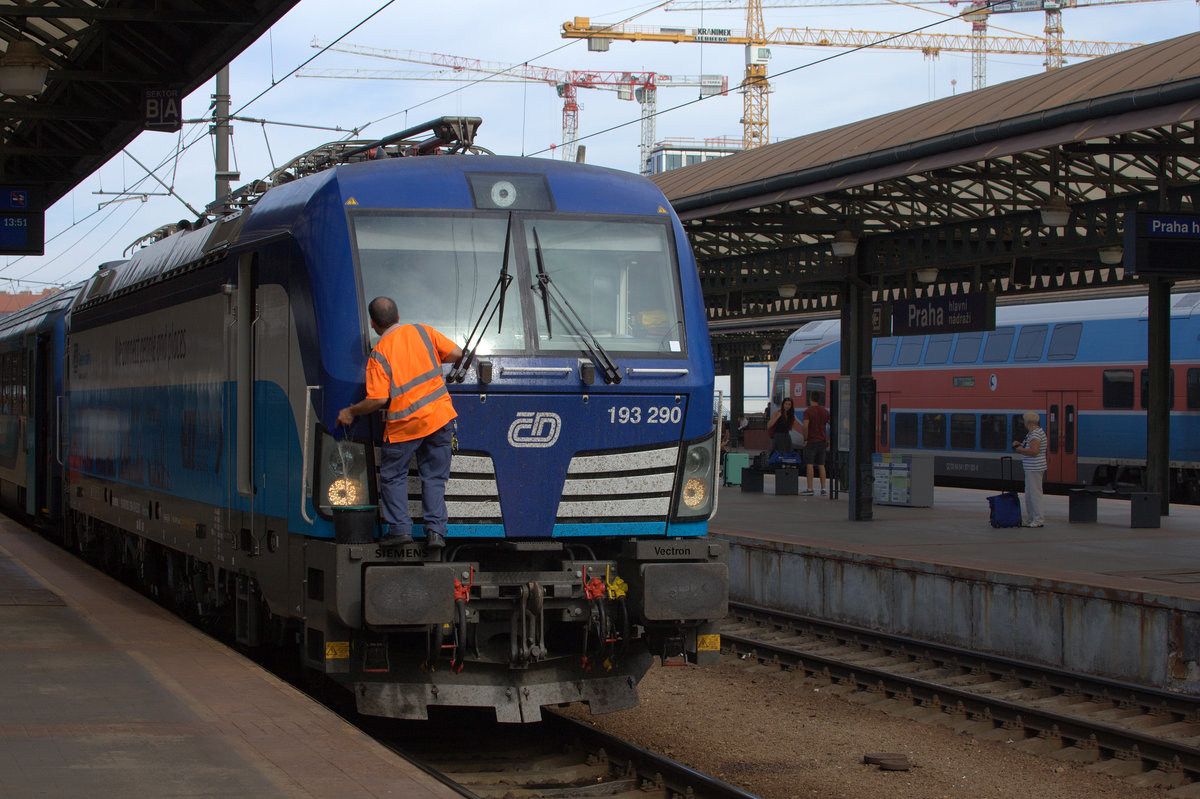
(553, 296)
(459, 371)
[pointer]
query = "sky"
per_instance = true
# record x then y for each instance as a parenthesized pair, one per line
(813, 89)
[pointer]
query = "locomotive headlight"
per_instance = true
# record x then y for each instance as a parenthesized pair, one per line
(696, 486)
(504, 193)
(343, 474)
(343, 492)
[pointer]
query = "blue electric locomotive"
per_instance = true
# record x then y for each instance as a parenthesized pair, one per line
(203, 377)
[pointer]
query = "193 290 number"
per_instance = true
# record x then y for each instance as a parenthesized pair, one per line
(655, 414)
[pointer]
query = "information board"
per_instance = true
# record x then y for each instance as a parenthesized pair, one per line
(22, 224)
(1162, 243)
(952, 313)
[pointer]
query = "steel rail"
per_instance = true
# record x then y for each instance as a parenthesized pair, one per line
(632, 770)
(1161, 753)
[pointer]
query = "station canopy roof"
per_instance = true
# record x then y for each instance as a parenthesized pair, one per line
(102, 56)
(952, 188)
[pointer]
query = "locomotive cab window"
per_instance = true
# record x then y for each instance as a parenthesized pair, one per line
(439, 270)
(618, 276)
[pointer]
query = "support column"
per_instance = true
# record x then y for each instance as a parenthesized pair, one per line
(1158, 404)
(856, 372)
(737, 392)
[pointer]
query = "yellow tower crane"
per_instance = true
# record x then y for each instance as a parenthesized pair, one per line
(755, 85)
(976, 13)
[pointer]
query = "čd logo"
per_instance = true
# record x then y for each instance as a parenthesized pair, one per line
(534, 429)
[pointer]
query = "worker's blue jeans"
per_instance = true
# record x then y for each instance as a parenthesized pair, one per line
(433, 464)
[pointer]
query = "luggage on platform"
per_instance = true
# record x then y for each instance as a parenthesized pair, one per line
(1005, 508)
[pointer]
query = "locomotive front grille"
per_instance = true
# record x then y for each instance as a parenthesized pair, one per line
(627, 486)
(471, 492)
(634, 485)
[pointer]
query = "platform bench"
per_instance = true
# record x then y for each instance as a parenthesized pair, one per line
(1143, 505)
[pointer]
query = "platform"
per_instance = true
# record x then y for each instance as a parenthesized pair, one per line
(1097, 597)
(106, 694)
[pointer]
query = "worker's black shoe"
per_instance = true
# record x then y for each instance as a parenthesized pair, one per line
(434, 540)
(396, 539)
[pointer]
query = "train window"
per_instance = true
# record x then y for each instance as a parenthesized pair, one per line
(1146, 387)
(1193, 388)
(906, 429)
(1030, 343)
(885, 350)
(440, 270)
(962, 431)
(910, 350)
(938, 350)
(993, 432)
(999, 345)
(883, 425)
(1018, 427)
(1064, 341)
(967, 348)
(1117, 388)
(933, 430)
(783, 388)
(813, 383)
(619, 277)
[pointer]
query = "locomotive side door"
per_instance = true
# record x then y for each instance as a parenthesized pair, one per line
(1062, 436)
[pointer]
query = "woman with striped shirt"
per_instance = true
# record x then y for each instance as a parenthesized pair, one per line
(1033, 448)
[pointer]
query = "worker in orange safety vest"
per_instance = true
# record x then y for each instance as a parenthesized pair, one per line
(404, 375)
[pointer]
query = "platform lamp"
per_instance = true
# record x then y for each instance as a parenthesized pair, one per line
(787, 290)
(23, 70)
(844, 244)
(1112, 255)
(1056, 212)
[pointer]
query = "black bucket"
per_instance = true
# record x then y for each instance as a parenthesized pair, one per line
(354, 524)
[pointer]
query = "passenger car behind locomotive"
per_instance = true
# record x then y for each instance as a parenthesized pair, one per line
(202, 377)
(1081, 364)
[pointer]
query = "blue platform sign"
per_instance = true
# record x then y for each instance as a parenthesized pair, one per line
(22, 224)
(1162, 243)
(953, 313)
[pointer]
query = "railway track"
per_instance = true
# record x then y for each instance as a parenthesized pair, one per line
(559, 758)
(1148, 736)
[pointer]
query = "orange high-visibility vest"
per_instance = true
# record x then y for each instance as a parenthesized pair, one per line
(406, 368)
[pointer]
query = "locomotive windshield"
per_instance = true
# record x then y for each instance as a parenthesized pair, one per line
(440, 270)
(618, 275)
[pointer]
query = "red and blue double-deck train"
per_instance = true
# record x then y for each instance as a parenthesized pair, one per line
(173, 417)
(1080, 364)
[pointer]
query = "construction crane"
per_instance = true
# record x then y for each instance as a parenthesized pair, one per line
(755, 86)
(976, 14)
(642, 86)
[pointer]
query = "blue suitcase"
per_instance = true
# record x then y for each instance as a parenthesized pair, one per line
(1005, 507)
